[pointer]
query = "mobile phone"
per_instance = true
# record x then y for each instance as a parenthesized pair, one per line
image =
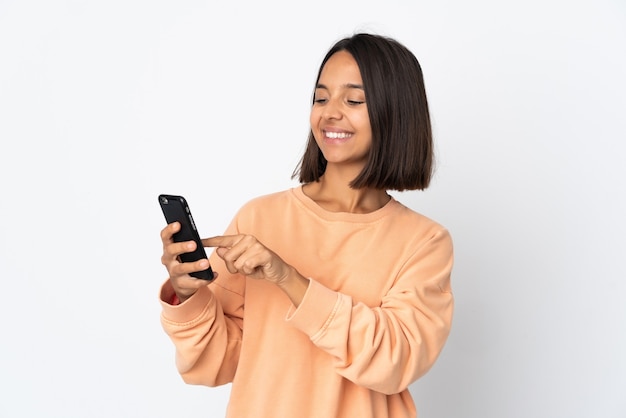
(176, 209)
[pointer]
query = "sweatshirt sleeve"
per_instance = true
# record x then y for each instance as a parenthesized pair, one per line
(206, 335)
(207, 328)
(386, 348)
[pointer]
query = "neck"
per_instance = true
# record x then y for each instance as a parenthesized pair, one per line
(333, 193)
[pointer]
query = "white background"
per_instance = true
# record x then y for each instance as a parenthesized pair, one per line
(104, 105)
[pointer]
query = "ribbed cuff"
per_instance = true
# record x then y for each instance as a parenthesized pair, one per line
(187, 311)
(315, 310)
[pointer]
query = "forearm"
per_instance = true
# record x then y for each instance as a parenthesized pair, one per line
(384, 348)
(295, 286)
(207, 342)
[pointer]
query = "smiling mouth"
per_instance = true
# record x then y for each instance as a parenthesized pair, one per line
(337, 135)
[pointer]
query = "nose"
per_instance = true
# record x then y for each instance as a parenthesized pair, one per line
(332, 109)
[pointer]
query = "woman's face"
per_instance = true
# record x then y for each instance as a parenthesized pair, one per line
(339, 119)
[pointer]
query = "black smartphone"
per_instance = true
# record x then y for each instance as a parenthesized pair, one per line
(176, 209)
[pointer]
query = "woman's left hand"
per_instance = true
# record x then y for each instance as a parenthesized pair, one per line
(246, 255)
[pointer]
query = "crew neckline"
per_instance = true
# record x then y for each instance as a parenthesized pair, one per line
(325, 214)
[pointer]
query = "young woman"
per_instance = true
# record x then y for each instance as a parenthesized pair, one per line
(331, 297)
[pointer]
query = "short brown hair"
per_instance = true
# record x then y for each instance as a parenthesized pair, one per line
(401, 155)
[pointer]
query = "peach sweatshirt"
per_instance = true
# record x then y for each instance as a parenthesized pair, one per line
(374, 318)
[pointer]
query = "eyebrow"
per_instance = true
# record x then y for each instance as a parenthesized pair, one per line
(348, 85)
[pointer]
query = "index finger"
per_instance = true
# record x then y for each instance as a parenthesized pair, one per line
(225, 241)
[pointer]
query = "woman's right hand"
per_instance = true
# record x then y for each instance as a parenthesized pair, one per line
(184, 285)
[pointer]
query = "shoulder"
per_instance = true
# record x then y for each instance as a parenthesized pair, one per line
(266, 206)
(267, 201)
(418, 229)
(408, 216)
(265, 214)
